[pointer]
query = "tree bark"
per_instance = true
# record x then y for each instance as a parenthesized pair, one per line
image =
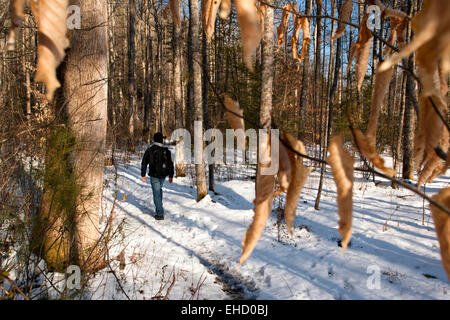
(86, 93)
(131, 71)
(69, 213)
(267, 68)
(205, 87)
(178, 96)
(200, 171)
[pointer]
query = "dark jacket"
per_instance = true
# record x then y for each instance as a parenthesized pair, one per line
(148, 160)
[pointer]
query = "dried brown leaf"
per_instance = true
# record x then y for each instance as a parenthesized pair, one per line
(447, 163)
(430, 128)
(341, 163)
(175, 9)
(363, 51)
(265, 185)
(442, 226)
(382, 80)
(345, 13)
(433, 165)
(386, 11)
(368, 151)
(52, 37)
(294, 143)
(236, 121)
(209, 13)
(394, 13)
(225, 9)
(17, 17)
(431, 43)
(295, 35)
(249, 24)
(306, 34)
(299, 176)
(281, 30)
(398, 32)
(284, 168)
(427, 174)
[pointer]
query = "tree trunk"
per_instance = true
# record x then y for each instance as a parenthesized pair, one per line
(205, 87)
(149, 73)
(408, 126)
(131, 72)
(200, 171)
(86, 90)
(267, 68)
(178, 96)
(304, 93)
(69, 212)
(410, 104)
(329, 118)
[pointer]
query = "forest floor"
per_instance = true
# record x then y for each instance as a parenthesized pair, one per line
(394, 253)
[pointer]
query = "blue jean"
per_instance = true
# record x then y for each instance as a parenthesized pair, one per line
(157, 184)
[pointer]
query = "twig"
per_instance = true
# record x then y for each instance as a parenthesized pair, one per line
(170, 287)
(392, 179)
(368, 170)
(13, 284)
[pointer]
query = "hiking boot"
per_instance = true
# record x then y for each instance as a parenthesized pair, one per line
(159, 217)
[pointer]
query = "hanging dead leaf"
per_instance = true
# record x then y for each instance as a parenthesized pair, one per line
(281, 30)
(447, 163)
(433, 164)
(368, 151)
(394, 13)
(430, 128)
(398, 33)
(249, 25)
(265, 185)
(345, 13)
(363, 51)
(382, 80)
(284, 169)
(341, 163)
(209, 13)
(442, 226)
(17, 17)
(306, 34)
(294, 143)
(427, 174)
(295, 36)
(299, 176)
(175, 9)
(225, 9)
(431, 43)
(386, 11)
(235, 119)
(52, 37)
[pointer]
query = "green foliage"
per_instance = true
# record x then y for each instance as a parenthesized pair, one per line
(58, 177)
(54, 226)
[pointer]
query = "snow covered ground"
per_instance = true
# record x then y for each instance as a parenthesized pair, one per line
(394, 253)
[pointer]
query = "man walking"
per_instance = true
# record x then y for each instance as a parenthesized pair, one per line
(159, 160)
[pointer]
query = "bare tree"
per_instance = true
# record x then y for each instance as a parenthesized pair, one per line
(200, 171)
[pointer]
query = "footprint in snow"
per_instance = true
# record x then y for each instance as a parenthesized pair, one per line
(268, 281)
(330, 272)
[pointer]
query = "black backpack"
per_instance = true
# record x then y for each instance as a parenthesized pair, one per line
(160, 161)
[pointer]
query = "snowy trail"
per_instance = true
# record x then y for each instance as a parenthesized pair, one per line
(201, 244)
